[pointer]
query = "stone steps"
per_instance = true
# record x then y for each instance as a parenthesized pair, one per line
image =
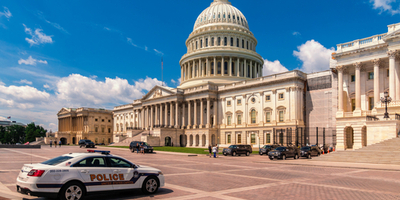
(136, 137)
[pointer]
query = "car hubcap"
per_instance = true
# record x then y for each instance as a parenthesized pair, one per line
(151, 185)
(73, 192)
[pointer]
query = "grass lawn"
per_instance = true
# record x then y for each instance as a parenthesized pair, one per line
(181, 149)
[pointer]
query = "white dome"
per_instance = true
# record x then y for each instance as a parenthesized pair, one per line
(221, 11)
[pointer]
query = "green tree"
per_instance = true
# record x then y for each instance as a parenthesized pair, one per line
(15, 134)
(32, 132)
(2, 134)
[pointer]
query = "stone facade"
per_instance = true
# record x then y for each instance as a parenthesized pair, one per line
(75, 124)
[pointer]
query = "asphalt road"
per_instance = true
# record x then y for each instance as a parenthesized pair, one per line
(241, 177)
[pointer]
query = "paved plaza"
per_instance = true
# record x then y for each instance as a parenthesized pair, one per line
(253, 177)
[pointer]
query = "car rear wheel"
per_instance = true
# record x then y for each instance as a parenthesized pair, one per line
(233, 153)
(271, 158)
(72, 191)
(284, 157)
(150, 185)
(132, 150)
(247, 153)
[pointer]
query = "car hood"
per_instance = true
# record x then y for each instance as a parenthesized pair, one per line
(273, 151)
(147, 168)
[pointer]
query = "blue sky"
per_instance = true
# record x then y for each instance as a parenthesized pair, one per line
(101, 54)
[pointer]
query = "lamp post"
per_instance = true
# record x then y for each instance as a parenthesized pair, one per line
(386, 100)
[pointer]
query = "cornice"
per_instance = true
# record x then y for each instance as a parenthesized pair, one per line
(379, 46)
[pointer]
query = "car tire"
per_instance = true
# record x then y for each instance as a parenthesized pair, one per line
(248, 153)
(283, 157)
(271, 158)
(132, 150)
(225, 154)
(260, 153)
(150, 185)
(80, 146)
(296, 157)
(233, 153)
(72, 188)
(309, 156)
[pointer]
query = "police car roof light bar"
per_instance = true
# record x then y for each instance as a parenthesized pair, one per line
(97, 151)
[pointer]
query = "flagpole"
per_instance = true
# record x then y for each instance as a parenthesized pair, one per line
(162, 68)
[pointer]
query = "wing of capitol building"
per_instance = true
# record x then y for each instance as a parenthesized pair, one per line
(224, 99)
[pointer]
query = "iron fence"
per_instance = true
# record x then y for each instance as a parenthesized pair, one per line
(305, 136)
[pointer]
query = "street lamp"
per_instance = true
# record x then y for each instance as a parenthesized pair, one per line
(386, 100)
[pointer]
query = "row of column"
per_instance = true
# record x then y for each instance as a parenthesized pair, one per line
(213, 41)
(199, 68)
(174, 115)
(394, 81)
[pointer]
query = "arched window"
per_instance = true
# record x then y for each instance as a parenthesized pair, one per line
(253, 116)
(117, 127)
(231, 42)
(234, 17)
(219, 41)
(206, 42)
(225, 41)
(219, 16)
(212, 42)
(201, 43)
(237, 42)
(229, 16)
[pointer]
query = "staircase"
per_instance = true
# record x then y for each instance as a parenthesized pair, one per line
(385, 152)
(135, 137)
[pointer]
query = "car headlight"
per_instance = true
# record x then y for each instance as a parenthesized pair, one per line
(160, 173)
(145, 147)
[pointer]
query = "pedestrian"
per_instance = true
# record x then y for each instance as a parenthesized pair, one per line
(137, 148)
(214, 149)
(55, 143)
(217, 149)
(142, 148)
(59, 143)
(51, 142)
(209, 150)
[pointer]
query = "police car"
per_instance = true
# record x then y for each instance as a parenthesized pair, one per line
(74, 175)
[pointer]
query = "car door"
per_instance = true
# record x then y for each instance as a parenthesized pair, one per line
(128, 176)
(96, 174)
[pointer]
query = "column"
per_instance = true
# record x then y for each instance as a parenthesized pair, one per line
(200, 68)
(151, 117)
(397, 77)
(223, 66)
(376, 81)
(161, 115)
(201, 113)
(195, 114)
(251, 69)
(134, 118)
(143, 119)
(215, 114)
(230, 66)
(189, 115)
(176, 114)
(215, 66)
(156, 119)
(208, 114)
(340, 85)
(237, 68)
(166, 115)
(193, 69)
(245, 69)
(183, 114)
(171, 121)
(182, 67)
(358, 66)
(392, 81)
(208, 71)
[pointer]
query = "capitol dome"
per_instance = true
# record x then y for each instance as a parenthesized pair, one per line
(221, 49)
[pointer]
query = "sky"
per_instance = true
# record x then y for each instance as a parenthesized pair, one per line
(101, 54)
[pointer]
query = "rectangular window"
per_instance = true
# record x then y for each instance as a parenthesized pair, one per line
(268, 98)
(268, 138)
(370, 75)
(239, 102)
(371, 103)
(95, 120)
(281, 96)
(102, 120)
(229, 139)
(268, 117)
(229, 120)
(253, 138)
(228, 103)
(281, 117)
(239, 119)
(387, 73)
(95, 129)
(353, 78)
(109, 130)
(353, 104)
(102, 130)
(239, 140)
(109, 120)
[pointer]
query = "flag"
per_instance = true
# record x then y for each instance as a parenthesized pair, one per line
(9, 117)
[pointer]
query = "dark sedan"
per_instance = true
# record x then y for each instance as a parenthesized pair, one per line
(308, 152)
(283, 153)
(267, 148)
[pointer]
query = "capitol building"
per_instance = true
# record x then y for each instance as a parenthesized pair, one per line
(224, 99)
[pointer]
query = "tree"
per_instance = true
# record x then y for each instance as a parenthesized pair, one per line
(15, 134)
(32, 132)
(2, 134)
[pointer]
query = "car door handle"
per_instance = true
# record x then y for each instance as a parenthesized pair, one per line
(117, 171)
(85, 171)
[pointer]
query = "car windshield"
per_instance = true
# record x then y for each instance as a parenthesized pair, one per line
(305, 148)
(267, 147)
(232, 146)
(57, 160)
(281, 149)
(88, 141)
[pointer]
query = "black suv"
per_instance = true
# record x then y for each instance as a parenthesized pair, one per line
(147, 147)
(237, 150)
(308, 152)
(267, 148)
(284, 152)
(85, 143)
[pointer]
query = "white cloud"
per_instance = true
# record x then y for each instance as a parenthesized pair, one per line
(176, 82)
(25, 81)
(295, 33)
(46, 86)
(57, 26)
(131, 42)
(386, 5)
(173, 81)
(158, 52)
(2, 83)
(38, 37)
(3, 118)
(314, 56)
(31, 61)
(22, 97)
(273, 67)
(6, 13)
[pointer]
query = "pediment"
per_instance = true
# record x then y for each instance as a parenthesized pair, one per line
(157, 92)
(392, 35)
(63, 111)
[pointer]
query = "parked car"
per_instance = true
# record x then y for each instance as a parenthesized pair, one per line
(283, 153)
(308, 152)
(86, 143)
(267, 148)
(237, 150)
(146, 146)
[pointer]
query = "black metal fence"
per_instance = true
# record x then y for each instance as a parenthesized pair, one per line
(305, 136)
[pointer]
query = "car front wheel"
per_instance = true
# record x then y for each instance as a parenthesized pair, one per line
(284, 157)
(150, 185)
(72, 191)
(233, 153)
(296, 156)
(247, 153)
(261, 153)
(309, 156)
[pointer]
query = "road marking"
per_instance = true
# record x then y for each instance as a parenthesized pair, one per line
(29, 154)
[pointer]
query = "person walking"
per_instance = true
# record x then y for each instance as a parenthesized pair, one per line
(59, 143)
(209, 150)
(51, 142)
(142, 148)
(214, 149)
(55, 143)
(137, 148)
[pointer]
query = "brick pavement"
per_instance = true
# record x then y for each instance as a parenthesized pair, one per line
(201, 177)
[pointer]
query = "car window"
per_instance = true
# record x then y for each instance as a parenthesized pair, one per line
(117, 162)
(281, 149)
(57, 160)
(305, 148)
(91, 162)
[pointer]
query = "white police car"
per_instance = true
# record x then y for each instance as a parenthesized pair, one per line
(74, 175)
